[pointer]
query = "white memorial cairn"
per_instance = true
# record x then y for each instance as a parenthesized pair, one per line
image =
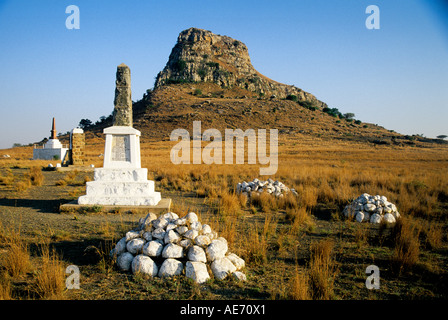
(121, 181)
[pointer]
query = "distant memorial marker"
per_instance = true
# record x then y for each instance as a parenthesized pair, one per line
(52, 149)
(121, 181)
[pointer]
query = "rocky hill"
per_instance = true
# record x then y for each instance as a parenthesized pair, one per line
(202, 56)
(210, 78)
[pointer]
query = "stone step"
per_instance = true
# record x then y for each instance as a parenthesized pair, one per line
(122, 189)
(119, 201)
(151, 200)
(121, 174)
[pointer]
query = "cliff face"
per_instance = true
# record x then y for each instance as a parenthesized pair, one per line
(201, 56)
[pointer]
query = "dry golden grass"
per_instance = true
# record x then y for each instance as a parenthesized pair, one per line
(50, 279)
(407, 245)
(5, 287)
(36, 176)
(321, 270)
(299, 287)
(329, 173)
(17, 259)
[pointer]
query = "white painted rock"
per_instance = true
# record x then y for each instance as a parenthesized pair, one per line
(147, 235)
(185, 243)
(197, 254)
(144, 264)
(349, 212)
(366, 216)
(222, 267)
(171, 237)
(206, 229)
(170, 267)
(389, 218)
(181, 229)
(120, 247)
(158, 233)
(375, 218)
(160, 223)
(236, 261)
(196, 226)
(396, 215)
(153, 248)
(359, 216)
(170, 216)
(170, 226)
(124, 261)
(369, 207)
(191, 234)
(238, 275)
(181, 221)
(217, 249)
(191, 217)
(132, 235)
(146, 221)
(202, 241)
(197, 271)
(172, 251)
(135, 246)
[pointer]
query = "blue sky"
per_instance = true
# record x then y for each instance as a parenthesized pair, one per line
(396, 76)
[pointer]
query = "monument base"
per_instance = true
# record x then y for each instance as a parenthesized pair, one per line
(162, 207)
(120, 186)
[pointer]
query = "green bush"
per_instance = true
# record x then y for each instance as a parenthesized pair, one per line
(202, 73)
(198, 92)
(292, 97)
(181, 65)
(213, 65)
(308, 105)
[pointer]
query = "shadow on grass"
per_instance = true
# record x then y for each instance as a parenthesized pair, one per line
(46, 206)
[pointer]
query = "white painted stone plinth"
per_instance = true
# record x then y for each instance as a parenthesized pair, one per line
(51, 150)
(121, 181)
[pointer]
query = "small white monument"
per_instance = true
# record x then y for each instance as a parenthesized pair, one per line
(121, 181)
(52, 149)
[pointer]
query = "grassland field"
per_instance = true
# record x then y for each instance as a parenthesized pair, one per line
(295, 248)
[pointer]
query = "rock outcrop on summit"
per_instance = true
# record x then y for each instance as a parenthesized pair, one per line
(202, 56)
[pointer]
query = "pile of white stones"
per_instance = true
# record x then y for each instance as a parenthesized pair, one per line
(277, 188)
(168, 245)
(373, 209)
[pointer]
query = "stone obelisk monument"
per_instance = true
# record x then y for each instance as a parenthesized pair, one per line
(121, 181)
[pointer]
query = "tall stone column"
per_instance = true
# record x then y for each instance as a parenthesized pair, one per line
(123, 102)
(77, 147)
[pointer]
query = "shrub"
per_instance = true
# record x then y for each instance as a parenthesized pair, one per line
(181, 65)
(202, 73)
(36, 176)
(198, 92)
(334, 112)
(292, 97)
(213, 65)
(22, 185)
